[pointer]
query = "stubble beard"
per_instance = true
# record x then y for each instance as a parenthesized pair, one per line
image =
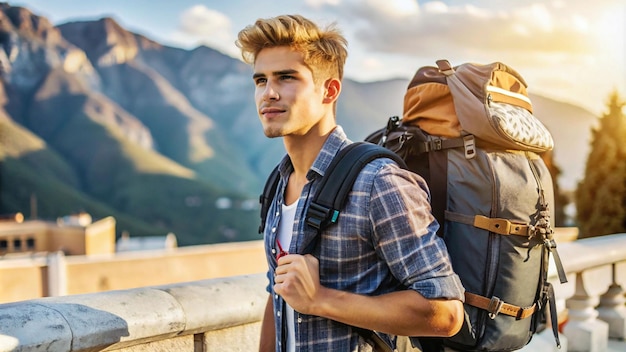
(273, 132)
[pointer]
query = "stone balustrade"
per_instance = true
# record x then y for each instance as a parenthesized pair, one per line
(593, 299)
(224, 314)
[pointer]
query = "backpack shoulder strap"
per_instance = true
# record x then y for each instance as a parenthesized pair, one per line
(339, 178)
(269, 191)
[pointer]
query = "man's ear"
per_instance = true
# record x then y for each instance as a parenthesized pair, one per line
(332, 88)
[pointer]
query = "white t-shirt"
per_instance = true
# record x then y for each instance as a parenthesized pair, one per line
(285, 233)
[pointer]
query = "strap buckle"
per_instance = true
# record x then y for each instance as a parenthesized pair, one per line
(435, 144)
(319, 216)
(469, 146)
(495, 304)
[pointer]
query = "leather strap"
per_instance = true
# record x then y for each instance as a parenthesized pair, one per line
(495, 306)
(501, 226)
(496, 225)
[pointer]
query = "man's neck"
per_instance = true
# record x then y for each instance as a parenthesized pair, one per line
(303, 150)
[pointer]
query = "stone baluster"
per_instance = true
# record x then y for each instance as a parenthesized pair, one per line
(57, 274)
(583, 330)
(612, 307)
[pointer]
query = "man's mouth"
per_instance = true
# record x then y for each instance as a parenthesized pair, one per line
(271, 112)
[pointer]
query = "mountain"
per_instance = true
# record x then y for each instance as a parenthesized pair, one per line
(155, 89)
(94, 117)
(144, 155)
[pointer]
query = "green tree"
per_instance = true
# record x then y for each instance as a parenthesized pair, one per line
(601, 195)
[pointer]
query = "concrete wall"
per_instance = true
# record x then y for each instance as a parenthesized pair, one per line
(23, 279)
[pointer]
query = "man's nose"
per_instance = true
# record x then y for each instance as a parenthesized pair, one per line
(270, 93)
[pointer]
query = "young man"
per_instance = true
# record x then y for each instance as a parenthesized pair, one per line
(381, 267)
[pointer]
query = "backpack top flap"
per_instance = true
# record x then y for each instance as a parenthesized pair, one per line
(492, 104)
(428, 104)
(488, 101)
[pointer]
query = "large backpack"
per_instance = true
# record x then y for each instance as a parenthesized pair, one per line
(470, 133)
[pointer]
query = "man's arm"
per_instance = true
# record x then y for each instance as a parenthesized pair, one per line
(404, 313)
(268, 329)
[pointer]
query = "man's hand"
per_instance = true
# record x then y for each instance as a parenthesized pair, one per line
(298, 281)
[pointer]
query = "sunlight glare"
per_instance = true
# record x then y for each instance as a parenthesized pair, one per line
(609, 33)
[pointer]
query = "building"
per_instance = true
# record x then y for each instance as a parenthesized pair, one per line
(73, 235)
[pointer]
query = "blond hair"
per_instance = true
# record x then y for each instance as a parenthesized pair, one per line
(324, 50)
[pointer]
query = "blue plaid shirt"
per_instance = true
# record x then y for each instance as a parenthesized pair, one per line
(384, 240)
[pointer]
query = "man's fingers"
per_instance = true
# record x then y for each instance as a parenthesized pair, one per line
(283, 263)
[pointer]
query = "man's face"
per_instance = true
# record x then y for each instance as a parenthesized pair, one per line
(288, 101)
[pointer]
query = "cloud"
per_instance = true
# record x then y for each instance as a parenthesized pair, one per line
(201, 25)
(426, 29)
(201, 21)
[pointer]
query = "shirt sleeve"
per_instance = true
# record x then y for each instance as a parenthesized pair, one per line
(405, 234)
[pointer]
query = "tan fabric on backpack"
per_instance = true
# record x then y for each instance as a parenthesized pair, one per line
(430, 106)
(488, 101)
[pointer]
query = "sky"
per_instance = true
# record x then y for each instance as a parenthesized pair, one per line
(568, 50)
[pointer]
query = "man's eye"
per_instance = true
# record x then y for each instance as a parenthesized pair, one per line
(286, 77)
(259, 81)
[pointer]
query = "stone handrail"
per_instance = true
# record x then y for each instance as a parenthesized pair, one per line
(592, 252)
(168, 317)
(224, 314)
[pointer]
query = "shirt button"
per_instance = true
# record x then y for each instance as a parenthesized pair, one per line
(278, 314)
(273, 229)
(273, 250)
(276, 296)
(299, 320)
(277, 213)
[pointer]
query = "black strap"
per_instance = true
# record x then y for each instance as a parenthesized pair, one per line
(269, 191)
(339, 178)
(553, 314)
(551, 245)
(437, 144)
(438, 184)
